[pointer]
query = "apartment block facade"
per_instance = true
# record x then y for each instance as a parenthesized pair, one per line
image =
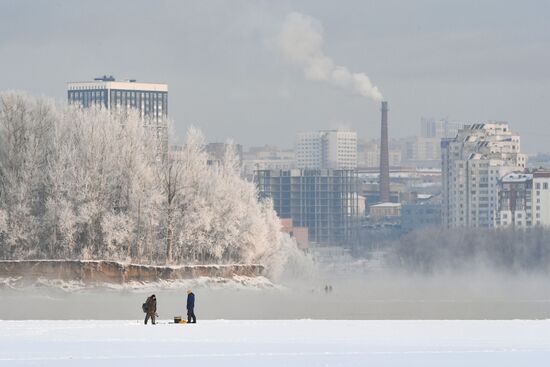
(524, 200)
(472, 164)
(333, 149)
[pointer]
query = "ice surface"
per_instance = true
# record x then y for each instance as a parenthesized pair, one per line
(275, 343)
(235, 282)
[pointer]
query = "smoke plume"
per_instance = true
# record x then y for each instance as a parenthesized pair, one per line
(300, 42)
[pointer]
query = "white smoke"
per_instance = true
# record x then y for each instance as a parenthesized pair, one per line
(300, 42)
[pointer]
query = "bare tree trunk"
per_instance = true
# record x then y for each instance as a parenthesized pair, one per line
(169, 234)
(134, 250)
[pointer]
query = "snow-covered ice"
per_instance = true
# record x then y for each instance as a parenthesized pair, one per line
(234, 282)
(275, 343)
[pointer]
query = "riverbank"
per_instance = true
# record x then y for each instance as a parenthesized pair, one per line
(102, 271)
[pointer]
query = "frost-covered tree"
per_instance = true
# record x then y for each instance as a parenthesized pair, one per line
(91, 184)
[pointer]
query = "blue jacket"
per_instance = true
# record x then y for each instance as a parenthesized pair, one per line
(190, 301)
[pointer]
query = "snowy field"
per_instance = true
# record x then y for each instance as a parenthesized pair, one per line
(275, 343)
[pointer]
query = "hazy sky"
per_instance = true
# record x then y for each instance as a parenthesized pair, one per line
(469, 60)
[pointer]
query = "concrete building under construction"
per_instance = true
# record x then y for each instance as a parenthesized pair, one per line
(326, 201)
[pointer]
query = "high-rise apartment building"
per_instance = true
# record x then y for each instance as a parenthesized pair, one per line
(472, 164)
(515, 191)
(336, 149)
(524, 199)
(149, 99)
(439, 128)
(541, 198)
(325, 201)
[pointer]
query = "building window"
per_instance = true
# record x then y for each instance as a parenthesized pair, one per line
(545, 185)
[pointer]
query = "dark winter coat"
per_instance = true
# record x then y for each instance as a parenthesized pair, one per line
(190, 301)
(151, 305)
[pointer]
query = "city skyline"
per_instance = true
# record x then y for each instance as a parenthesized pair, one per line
(462, 62)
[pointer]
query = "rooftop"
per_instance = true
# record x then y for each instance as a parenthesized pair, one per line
(109, 82)
(517, 177)
(386, 205)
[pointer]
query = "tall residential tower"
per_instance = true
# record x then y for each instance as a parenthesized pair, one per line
(336, 149)
(472, 164)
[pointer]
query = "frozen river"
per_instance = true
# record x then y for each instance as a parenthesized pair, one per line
(466, 297)
(275, 343)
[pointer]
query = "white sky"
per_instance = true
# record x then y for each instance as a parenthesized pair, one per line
(466, 60)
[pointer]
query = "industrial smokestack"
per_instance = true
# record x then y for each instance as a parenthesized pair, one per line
(384, 182)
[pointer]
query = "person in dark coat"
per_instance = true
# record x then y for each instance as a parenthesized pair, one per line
(191, 318)
(151, 309)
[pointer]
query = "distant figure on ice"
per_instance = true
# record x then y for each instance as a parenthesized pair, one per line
(150, 309)
(191, 319)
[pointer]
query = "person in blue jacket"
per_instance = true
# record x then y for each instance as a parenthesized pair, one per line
(191, 318)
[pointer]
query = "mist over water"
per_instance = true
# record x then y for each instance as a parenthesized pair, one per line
(375, 295)
(426, 275)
